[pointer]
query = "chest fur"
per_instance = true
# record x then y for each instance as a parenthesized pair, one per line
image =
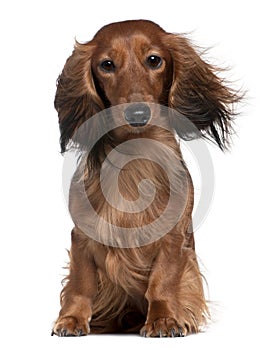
(123, 204)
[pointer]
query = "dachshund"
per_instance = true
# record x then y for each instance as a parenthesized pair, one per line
(114, 98)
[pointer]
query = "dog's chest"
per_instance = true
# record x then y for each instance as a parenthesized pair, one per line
(130, 268)
(132, 204)
(131, 196)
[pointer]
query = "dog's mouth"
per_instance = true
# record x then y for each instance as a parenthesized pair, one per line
(140, 124)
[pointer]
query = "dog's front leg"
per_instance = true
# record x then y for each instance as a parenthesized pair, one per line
(176, 303)
(78, 294)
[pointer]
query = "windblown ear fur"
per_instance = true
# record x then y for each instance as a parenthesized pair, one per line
(199, 94)
(76, 98)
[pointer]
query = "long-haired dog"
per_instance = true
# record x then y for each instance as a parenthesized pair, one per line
(130, 271)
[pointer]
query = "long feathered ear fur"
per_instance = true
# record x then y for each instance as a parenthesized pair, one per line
(199, 94)
(76, 97)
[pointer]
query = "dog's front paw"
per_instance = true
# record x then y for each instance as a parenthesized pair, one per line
(163, 327)
(70, 326)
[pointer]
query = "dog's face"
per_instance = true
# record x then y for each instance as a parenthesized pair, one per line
(132, 65)
(131, 68)
(137, 62)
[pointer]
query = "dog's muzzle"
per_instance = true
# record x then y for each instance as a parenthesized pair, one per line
(137, 114)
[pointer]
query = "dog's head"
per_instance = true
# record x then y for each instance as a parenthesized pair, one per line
(136, 65)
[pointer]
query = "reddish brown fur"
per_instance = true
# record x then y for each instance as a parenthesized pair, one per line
(157, 288)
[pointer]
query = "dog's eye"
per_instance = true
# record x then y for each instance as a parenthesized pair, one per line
(107, 66)
(154, 62)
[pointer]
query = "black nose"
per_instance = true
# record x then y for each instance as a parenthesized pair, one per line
(137, 114)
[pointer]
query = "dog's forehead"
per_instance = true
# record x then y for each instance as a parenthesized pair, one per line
(135, 31)
(139, 39)
(136, 42)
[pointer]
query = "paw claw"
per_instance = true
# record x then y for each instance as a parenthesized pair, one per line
(63, 333)
(172, 333)
(181, 333)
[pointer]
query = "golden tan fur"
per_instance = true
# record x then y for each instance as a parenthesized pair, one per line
(156, 288)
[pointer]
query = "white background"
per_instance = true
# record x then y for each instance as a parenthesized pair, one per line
(236, 244)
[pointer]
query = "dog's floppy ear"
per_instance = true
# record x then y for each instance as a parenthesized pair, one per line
(199, 94)
(76, 97)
